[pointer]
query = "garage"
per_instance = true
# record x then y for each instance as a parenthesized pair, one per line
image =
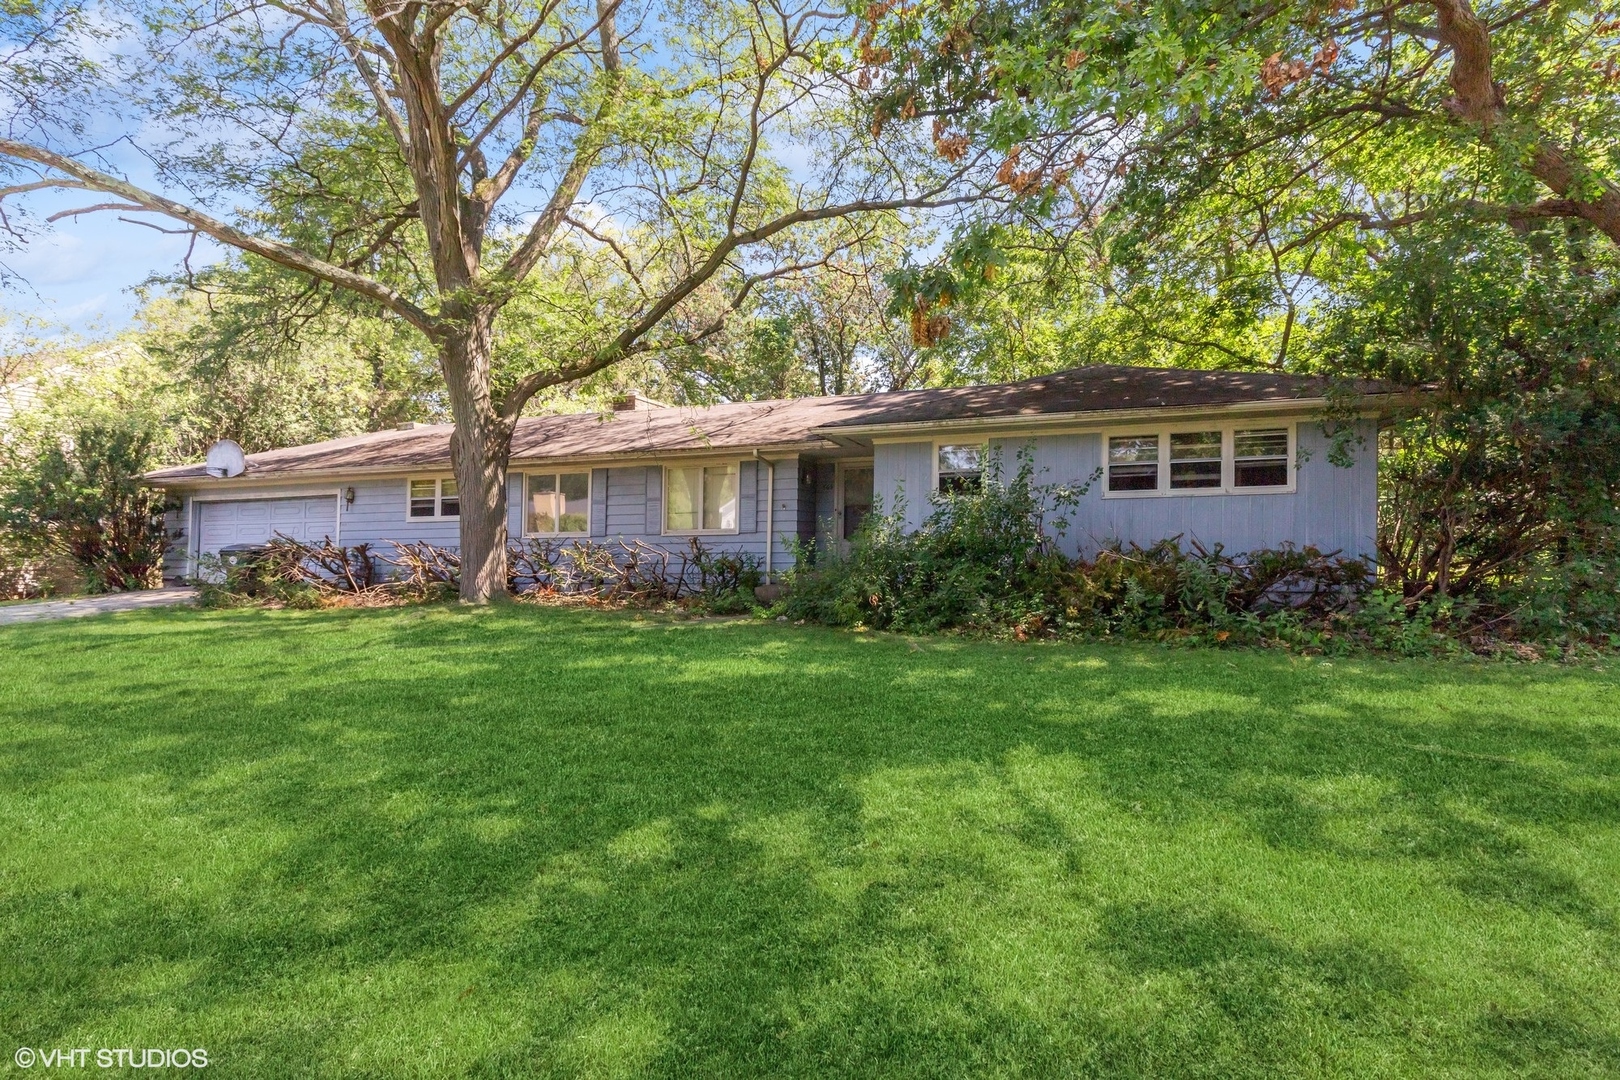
(257, 521)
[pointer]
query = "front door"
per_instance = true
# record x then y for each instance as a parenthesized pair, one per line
(854, 497)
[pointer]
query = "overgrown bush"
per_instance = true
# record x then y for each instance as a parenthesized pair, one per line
(984, 557)
(987, 560)
(1502, 481)
(82, 493)
(1570, 594)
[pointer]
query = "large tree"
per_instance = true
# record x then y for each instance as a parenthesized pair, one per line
(446, 161)
(1235, 156)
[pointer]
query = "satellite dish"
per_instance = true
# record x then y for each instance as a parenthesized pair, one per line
(225, 458)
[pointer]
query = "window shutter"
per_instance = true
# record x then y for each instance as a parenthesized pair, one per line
(599, 502)
(514, 505)
(655, 500)
(747, 497)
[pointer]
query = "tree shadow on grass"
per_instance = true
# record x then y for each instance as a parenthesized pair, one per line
(539, 843)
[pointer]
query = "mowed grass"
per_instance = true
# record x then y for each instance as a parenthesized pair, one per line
(521, 842)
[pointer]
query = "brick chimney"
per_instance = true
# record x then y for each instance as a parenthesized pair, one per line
(635, 401)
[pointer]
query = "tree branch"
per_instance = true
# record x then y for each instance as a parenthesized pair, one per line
(586, 147)
(1477, 100)
(60, 214)
(277, 252)
(624, 343)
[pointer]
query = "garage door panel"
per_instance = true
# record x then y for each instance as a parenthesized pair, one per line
(257, 521)
(283, 513)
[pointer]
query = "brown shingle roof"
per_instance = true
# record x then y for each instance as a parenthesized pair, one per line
(1096, 389)
(794, 422)
(742, 425)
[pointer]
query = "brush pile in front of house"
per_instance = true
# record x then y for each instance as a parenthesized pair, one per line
(612, 573)
(986, 562)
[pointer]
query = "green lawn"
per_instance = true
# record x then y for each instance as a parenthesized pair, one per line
(524, 842)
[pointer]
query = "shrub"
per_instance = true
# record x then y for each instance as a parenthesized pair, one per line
(83, 494)
(985, 556)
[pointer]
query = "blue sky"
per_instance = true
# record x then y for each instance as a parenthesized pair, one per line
(80, 274)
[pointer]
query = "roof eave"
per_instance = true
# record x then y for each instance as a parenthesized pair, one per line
(294, 475)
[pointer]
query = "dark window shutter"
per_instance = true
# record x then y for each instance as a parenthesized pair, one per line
(747, 498)
(599, 502)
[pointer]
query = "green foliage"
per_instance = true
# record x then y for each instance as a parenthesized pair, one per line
(1573, 593)
(987, 561)
(981, 558)
(1509, 469)
(261, 359)
(1206, 173)
(83, 493)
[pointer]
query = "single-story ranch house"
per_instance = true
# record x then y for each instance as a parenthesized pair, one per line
(1239, 459)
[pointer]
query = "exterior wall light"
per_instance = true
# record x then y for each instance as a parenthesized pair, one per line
(348, 496)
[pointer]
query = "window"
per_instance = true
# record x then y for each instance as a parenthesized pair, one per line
(700, 498)
(434, 499)
(1211, 461)
(960, 468)
(558, 504)
(1133, 463)
(1260, 458)
(855, 494)
(1195, 459)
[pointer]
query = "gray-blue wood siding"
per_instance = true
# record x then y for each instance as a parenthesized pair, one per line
(626, 503)
(1333, 507)
(903, 479)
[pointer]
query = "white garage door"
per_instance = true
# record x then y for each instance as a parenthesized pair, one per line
(256, 521)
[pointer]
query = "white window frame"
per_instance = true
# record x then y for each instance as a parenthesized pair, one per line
(438, 499)
(1228, 469)
(590, 501)
(663, 501)
(984, 457)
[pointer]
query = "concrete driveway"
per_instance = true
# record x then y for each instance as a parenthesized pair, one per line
(38, 610)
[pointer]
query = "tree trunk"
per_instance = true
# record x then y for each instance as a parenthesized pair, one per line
(479, 451)
(1478, 100)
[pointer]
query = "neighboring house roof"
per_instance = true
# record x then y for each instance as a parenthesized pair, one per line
(796, 423)
(25, 394)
